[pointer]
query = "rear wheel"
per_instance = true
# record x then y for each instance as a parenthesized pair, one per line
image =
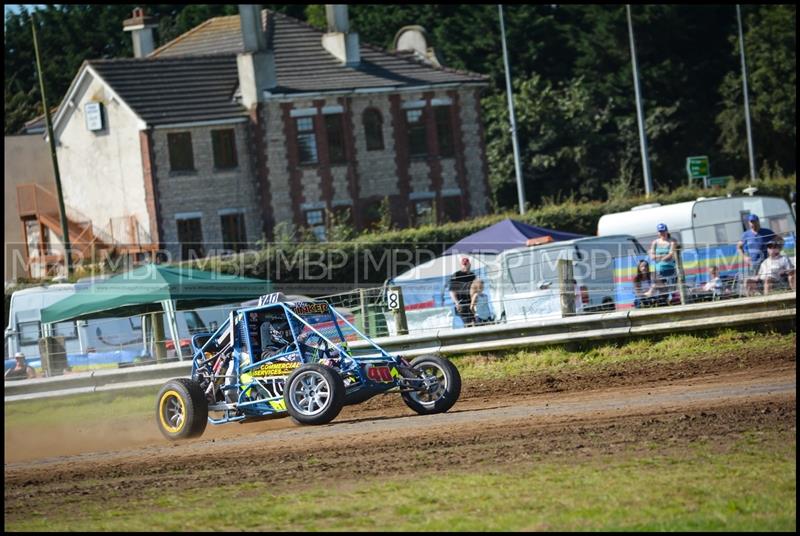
(314, 394)
(442, 386)
(181, 409)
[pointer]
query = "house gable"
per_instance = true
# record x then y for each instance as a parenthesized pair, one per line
(83, 80)
(101, 169)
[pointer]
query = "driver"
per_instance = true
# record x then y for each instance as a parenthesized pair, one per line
(275, 337)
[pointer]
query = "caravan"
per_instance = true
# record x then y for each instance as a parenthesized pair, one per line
(703, 222)
(90, 342)
(707, 230)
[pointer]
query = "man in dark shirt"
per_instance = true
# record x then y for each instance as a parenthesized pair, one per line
(753, 244)
(459, 285)
(21, 370)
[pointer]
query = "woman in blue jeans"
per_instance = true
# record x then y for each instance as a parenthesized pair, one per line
(663, 251)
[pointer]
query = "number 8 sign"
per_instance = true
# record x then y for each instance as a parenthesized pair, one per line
(393, 299)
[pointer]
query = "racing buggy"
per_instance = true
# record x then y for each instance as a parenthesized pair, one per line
(283, 358)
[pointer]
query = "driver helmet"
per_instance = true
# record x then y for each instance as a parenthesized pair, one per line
(280, 334)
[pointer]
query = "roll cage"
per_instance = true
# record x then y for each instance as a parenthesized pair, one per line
(243, 376)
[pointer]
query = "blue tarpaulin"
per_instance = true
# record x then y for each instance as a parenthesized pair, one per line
(506, 234)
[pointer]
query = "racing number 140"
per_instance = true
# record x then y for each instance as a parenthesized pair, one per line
(379, 374)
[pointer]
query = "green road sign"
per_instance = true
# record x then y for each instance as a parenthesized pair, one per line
(720, 181)
(697, 167)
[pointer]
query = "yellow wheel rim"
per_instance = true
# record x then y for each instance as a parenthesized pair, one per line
(172, 412)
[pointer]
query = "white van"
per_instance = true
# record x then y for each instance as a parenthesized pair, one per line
(528, 286)
(703, 222)
(95, 341)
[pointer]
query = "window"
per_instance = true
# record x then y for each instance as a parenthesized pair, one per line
(333, 128)
(343, 214)
(194, 322)
(190, 236)
(373, 129)
(451, 208)
(523, 272)
(371, 215)
(444, 130)
(181, 157)
(306, 140)
(233, 234)
(135, 322)
(316, 220)
(65, 329)
(223, 143)
(423, 212)
(29, 332)
(32, 235)
(417, 141)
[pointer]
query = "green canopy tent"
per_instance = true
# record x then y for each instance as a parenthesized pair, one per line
(152, 289)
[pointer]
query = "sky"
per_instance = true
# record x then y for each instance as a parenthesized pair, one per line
(16, 7)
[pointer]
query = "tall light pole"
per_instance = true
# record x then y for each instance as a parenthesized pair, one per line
(746, 101)
(648, 182)
(515, 144)
(56, 174)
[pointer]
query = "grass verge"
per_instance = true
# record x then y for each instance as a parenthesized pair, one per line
(751, 485)
(671, 348)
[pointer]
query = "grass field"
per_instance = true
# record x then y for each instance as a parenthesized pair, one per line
(751, 487)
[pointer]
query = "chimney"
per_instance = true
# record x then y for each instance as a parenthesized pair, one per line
(340, 41)
(414, 40)
(141, 26)
(256, 64)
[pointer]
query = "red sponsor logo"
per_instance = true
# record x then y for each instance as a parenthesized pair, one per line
(379, 373)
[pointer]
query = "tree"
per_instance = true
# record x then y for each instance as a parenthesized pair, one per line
(770, 42)
(563, 137)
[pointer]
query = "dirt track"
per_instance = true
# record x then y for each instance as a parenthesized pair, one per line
(620, 411)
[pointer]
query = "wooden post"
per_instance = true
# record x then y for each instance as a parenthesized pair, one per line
(362, 298)
(566, 283)
(681, 276)
(158, 336)
(399, 311)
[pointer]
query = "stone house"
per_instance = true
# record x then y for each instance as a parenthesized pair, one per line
(208, 142)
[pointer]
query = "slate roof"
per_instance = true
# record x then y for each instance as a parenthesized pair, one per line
(194, 77)
(303, 65)
(175, 90)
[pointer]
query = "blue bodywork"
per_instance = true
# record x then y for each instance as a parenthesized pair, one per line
(244, 377)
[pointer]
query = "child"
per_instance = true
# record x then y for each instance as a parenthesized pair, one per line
(479, 303)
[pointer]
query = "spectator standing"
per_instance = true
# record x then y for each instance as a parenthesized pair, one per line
(772, 270)
(21, 370)
(479, 303)
(753, 244)
(663, 251)
(459, 285)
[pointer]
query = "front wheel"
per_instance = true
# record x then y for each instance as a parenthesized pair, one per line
(181, 409)
(314, 394)
(442, 385)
